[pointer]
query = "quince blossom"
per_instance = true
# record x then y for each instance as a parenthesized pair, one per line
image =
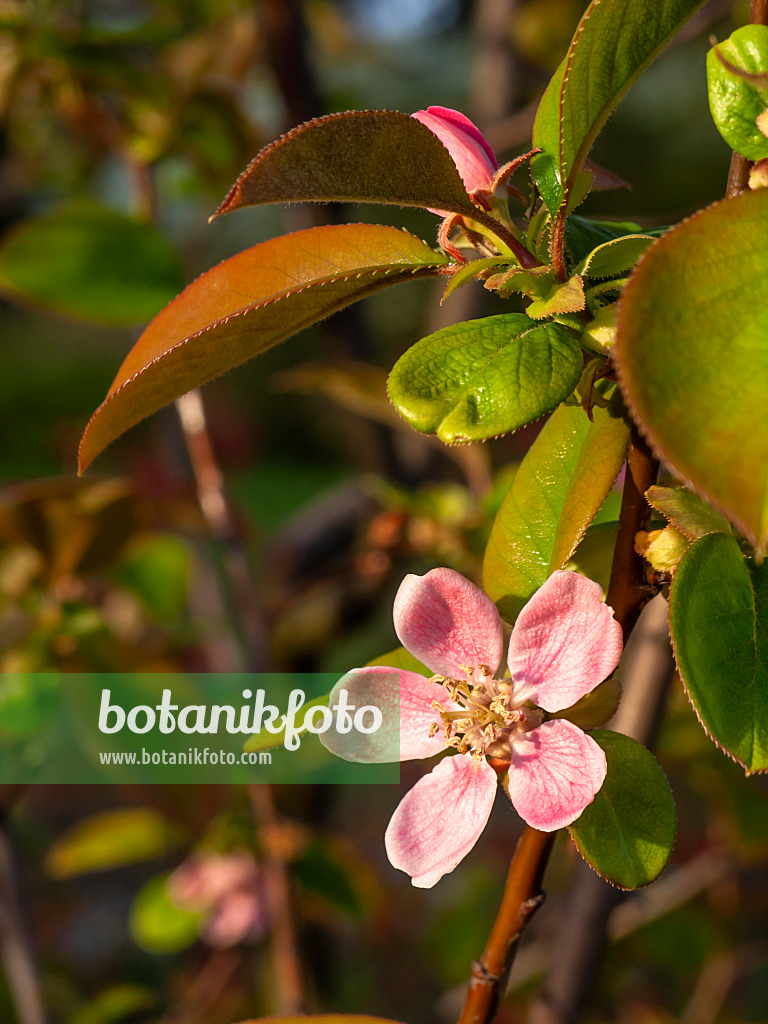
(469, 149)
(565, 641)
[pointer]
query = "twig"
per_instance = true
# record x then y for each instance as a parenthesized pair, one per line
(628, 590)
(15, 947)
(287, 966)
(235, 573)
(522, 898)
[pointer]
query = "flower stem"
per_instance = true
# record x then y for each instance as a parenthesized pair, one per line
(522, 898)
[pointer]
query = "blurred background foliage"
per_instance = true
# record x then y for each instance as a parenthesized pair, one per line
(123, 124)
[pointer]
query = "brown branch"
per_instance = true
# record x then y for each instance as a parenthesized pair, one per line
(15, 946)
(628, 590)
(287, 965)
(522, 897)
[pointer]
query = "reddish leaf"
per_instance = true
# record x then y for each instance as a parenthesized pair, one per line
(246, 305)
(371, 156)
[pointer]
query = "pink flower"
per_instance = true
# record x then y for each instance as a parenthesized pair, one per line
(564, 643)
(227, 889)
(465, 142)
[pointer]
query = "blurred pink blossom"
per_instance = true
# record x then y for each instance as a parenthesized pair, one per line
(227, 889)
(564, 643)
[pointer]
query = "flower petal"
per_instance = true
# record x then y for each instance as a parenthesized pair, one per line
(564, 643)
(465, 142)
(439, 821)
(448, 623)
(555, 772)
(405, 700)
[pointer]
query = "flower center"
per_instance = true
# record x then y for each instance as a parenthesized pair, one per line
(489, 715)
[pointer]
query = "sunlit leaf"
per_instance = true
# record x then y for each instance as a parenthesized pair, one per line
(719, 622)
(110, 840)
(686, 511)
(626, 834)
(246, 305)
(92, 263)
(372, 156)
(157, 924)
(561, 483)
(614, 43)
(486, 377)
(614, 257)
(692, 349)
(735, 102)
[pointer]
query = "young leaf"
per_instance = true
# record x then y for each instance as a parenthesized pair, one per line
(686, 512)
(91, 263)
(486, 377)
(614, 257)
(614, 43)
(246, 305)
(360, 156)
(561, 483)
(735, 102)
(719, 621)
(626, 834)
(692, 350)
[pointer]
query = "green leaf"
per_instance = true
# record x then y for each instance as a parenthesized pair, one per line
(246, 305)
(686, 512)
(157, 924)
(627, 832)
(561, 483)
(583, 234)
(110, 840)
(735, 102)
(359, 156)
(614, 257)
(719, 621)
(91, 263)
(114, 1004)
(265, 740)
(486, 377)
(692, 349)
(614, 43)
(157, 569)
(402, 659)
(567, 297)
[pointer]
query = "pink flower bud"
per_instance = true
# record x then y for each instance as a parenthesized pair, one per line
(469, 149)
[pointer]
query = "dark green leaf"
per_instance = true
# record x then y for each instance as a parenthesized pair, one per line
(91, 263)
(484, 378)
(719, 621)
(736, 102)
(561, 483)
(626, 834)
(692, 349)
